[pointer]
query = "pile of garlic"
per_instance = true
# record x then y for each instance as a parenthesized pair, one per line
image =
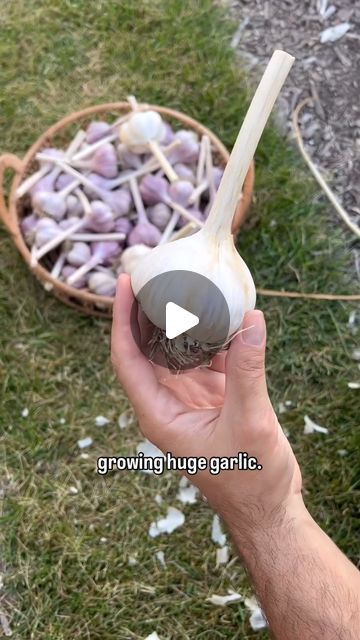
(95, 209)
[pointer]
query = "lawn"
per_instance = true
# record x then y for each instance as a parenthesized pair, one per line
(62, 580)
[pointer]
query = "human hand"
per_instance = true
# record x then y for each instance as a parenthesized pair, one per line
(217, 411)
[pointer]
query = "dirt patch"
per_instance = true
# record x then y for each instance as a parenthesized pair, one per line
(329, 72)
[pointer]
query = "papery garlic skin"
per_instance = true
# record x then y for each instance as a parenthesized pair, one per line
(215, 259)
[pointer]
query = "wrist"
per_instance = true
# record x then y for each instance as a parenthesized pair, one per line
(259, 524)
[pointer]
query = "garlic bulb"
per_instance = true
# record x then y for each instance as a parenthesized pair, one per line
(210, 253)
(132, 256)
(103, 284)
(142, 127)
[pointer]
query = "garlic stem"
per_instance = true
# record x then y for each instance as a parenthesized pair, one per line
(185, 231)
(194, 198)
(201, 161)
(163, 161)
(139, 205)
(93, 237)
(227, 197)
(35, 177)
(52, 244)
(82, 271)
(56, 270)
(170, 227)
(209, 171)
(184, 212)
(117, 182)
(89, 150)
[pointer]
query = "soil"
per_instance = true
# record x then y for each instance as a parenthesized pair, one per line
(327, 72)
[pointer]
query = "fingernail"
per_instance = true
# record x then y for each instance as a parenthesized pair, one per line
(253, 329)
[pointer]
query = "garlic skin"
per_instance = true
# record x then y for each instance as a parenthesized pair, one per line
(212, 257)
(132, 256)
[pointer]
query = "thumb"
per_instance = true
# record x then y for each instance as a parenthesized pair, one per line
(246, 397)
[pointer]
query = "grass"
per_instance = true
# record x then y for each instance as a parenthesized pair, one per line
(60, 581)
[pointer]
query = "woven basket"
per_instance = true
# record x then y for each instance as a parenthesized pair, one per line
(59, 135)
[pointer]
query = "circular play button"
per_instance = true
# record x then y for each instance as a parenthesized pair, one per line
(182, 320)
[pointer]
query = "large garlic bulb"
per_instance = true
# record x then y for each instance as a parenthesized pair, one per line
(208, 255)
(210, 252)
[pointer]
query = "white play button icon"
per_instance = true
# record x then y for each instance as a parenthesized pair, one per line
(178, 320)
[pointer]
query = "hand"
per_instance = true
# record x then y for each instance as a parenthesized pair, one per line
(215, 411)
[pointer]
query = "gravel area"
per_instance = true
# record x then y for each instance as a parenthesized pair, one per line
(328, 71)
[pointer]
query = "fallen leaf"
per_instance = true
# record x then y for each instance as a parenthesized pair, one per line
(221, 601)
(334, 33)
(85, 442)
(174, 519)
(217, 535)
(312, 427)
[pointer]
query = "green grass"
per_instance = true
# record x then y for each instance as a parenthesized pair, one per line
(60, 581)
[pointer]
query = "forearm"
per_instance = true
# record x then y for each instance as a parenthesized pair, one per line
(306, 586)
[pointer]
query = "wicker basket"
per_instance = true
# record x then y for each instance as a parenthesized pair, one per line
(58, 135)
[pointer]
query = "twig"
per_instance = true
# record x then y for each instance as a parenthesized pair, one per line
(311, 296)
(316, 173)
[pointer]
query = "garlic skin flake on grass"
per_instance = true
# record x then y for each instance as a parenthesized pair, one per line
(101, 421)
(221, 601)
(152, 636)
(257, 619)
(311, 427)
(173, 520)
(85, 442)
(222, 556)
(217, 536)
(188, 493)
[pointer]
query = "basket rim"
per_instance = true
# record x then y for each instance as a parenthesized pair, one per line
(41, 272)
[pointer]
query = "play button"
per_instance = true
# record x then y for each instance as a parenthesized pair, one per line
(178, 320)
